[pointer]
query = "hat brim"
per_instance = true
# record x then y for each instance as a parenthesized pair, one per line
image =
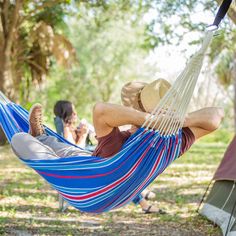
(152, 94)
(130, 93)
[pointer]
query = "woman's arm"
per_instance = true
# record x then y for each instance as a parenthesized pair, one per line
(81, 135)
(68, 134)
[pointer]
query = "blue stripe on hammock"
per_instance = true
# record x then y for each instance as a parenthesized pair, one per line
(95, 184)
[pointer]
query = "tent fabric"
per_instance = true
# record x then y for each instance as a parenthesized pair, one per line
(94, 184)
(227, 167)
(220, 202)
(212, 213)
(219, 205)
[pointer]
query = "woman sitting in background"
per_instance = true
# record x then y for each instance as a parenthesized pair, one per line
(65, 122)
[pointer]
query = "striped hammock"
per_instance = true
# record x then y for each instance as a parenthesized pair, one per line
(94, 184)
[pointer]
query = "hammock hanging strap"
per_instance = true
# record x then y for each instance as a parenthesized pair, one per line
(224, 7)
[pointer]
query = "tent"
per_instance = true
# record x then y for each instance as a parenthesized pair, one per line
(219, 206)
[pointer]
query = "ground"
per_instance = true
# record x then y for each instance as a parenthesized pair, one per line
(28, 205)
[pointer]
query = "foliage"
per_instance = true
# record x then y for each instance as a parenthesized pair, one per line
(224, 69)
(223, 53)
(174, 19)
(30, 37)
(177, 20)
(108, 45)
(219, 136)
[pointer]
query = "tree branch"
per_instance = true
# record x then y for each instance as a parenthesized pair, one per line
(2, 24)
(45, 4)
(4, 16)
(24, 58)
(12, 26)
(33, 63)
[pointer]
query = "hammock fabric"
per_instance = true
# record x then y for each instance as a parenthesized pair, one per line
(93, 184)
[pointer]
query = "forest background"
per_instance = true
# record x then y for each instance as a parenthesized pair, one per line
(84, 51)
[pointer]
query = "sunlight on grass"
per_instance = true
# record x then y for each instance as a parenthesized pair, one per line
(28, 204)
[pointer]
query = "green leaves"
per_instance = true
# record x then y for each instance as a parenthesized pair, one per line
(224, 69)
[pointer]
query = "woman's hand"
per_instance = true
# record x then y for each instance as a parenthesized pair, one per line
(81, 135)
(83, 129)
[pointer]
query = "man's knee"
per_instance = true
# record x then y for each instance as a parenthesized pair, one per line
(217, 116)
(101, 118)
(16, 141)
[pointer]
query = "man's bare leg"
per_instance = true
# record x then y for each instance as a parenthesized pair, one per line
(204, 121)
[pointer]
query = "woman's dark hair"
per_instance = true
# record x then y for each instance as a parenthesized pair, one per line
(64, 110)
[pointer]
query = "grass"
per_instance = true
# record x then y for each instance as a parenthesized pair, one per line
(28, 205)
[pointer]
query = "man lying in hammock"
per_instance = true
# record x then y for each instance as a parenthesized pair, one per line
(139, 100)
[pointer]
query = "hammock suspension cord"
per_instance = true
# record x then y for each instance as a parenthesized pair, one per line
(169, 115)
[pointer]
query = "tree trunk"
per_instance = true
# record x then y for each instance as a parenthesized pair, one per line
(6, 79)
(8, 31)
(3, 138)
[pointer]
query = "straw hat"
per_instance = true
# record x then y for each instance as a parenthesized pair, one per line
(143, 96)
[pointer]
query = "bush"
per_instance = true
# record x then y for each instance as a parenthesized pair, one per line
(219, 136)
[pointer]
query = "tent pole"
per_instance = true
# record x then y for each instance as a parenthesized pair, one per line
(232, 212)
(203, 197)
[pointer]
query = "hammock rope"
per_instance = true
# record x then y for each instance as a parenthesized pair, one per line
(168, 116)
(94, 184)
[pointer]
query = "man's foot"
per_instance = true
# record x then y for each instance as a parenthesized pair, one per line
(153, 210)
(35, 120)
(149, 208)
(148, 195)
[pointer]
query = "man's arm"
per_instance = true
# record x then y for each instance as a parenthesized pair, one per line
(106, 116)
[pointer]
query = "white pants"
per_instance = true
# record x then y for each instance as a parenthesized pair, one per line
(43, 147)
